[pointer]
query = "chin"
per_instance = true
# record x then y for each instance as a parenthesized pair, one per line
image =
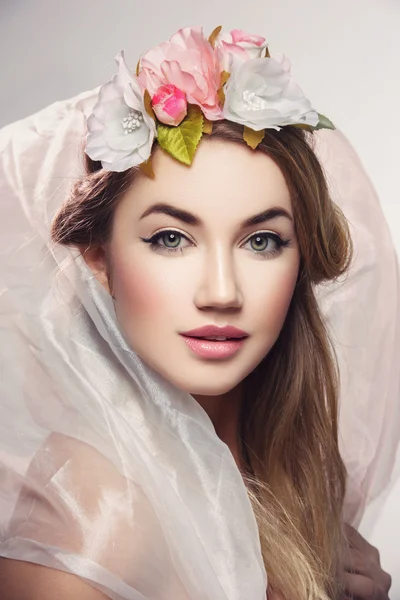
(213, 387)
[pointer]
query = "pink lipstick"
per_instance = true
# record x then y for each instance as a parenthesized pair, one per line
(215, 342)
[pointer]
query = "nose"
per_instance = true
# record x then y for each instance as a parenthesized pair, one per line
(219, 287)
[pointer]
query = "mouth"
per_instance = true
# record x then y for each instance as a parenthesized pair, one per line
(213, 342)
(212, 332)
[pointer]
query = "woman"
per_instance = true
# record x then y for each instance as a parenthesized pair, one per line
(235, 243)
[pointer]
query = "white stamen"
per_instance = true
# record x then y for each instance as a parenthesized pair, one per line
(132, 121)
(253, 101)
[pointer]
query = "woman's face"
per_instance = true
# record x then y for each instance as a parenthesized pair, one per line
(213, 244)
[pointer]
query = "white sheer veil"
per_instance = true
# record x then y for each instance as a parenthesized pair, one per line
(106, 470)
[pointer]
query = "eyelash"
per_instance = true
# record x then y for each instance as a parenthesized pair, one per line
(281, 243)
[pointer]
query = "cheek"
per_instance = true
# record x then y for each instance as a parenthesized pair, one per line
(135, 290)
(274, 296)
(281, 295)
(147, 290)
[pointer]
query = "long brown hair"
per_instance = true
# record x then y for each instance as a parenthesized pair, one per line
(289, 425)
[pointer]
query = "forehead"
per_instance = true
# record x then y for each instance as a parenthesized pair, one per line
(226, 181)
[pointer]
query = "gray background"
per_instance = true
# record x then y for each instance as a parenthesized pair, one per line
(345, 55)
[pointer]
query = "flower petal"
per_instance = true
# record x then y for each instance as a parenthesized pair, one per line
(238, 35)
(173, 73)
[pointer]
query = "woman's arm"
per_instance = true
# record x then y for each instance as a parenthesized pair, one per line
(27, 581)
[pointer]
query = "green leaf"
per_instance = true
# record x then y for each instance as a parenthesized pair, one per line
(147, 168)
(213, 36)
(253, 138)
(207, 126)
(181, 141)
(224, 78)
(324, 123)
(304, 126)
(147, 105)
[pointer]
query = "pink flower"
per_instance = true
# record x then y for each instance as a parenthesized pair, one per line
(247, 39)
(240, 44)
(169, 104)
(188, 62)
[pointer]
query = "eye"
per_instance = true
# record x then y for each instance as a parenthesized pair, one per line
(259, 243)
(168, 241)
(266, 243)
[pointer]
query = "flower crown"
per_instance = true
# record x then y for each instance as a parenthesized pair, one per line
(182, 86)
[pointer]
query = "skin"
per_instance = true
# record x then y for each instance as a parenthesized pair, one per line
(364, 577)
(217, 275)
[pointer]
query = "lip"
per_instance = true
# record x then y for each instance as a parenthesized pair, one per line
(215, 349)
(228, 331)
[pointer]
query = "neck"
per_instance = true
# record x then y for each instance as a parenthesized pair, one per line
(224, 411)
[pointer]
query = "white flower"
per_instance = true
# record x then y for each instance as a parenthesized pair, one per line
(120, 132)
(284, 62)
(261, 94)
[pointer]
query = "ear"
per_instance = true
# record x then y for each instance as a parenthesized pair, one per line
(96, 258)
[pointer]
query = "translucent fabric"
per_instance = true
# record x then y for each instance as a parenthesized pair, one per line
(106, 470)
(363, 314)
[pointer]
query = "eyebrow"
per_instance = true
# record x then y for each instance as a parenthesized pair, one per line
(191, 219)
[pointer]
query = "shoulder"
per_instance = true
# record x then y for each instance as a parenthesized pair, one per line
(76, 507)
(87, 524)
(30, 581)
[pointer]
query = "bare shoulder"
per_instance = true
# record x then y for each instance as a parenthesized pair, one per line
(22, 580)
(75, 500)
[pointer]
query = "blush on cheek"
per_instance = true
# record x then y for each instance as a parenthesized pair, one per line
(135, 292)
